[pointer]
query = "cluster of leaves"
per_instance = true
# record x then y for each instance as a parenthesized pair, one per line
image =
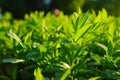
(83, 46)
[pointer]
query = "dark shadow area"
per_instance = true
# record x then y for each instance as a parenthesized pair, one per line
(18, 8)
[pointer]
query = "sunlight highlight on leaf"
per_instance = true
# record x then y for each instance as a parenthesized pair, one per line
(14, 36)
(38, 75)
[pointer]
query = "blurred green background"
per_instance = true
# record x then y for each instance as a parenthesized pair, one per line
(19, 7)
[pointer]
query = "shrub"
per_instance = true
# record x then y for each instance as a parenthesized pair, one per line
(80, 46)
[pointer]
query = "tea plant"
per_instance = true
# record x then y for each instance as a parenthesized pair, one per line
(83, 46)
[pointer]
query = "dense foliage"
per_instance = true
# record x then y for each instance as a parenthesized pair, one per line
(83, 46)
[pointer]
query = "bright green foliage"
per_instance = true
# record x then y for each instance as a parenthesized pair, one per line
(38, 75)
(83, 46)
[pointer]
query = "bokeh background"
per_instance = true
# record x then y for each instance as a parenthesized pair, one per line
(18, 8)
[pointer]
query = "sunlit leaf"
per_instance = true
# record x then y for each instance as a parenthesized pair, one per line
(67, 72)
(28, 39)
(14, 36)
(81, 32)
(104, 14)
(94, 78)
(102, 46)
(38, 75)
(65, 65)
(12, 60)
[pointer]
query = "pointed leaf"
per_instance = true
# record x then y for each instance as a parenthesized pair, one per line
(14, 36)
(38, 75)
(12, 60)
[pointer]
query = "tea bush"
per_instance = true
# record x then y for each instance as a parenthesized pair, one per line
(82, 46)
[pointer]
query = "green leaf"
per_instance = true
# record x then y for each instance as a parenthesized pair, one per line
(81, 21)
(79, 11)
(12, 60)
(102, 46)
(110, 48)
(31, 54)
(42, 48)
(104, 14)
(81, 51)
(59, 28)
(81, 32)
(14, 36)
(65, 65)
(116, 60)
(38, 75)
(110, 74)
(5, 39)
(97, 58)
(67, 72)
(94, 78)
(27, 40)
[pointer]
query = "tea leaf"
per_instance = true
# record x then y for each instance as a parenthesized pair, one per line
(81, 32)
(67, 72)
(38, 75)
(12, 60)
(102, 46)
(14, 36)
(94, 78)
